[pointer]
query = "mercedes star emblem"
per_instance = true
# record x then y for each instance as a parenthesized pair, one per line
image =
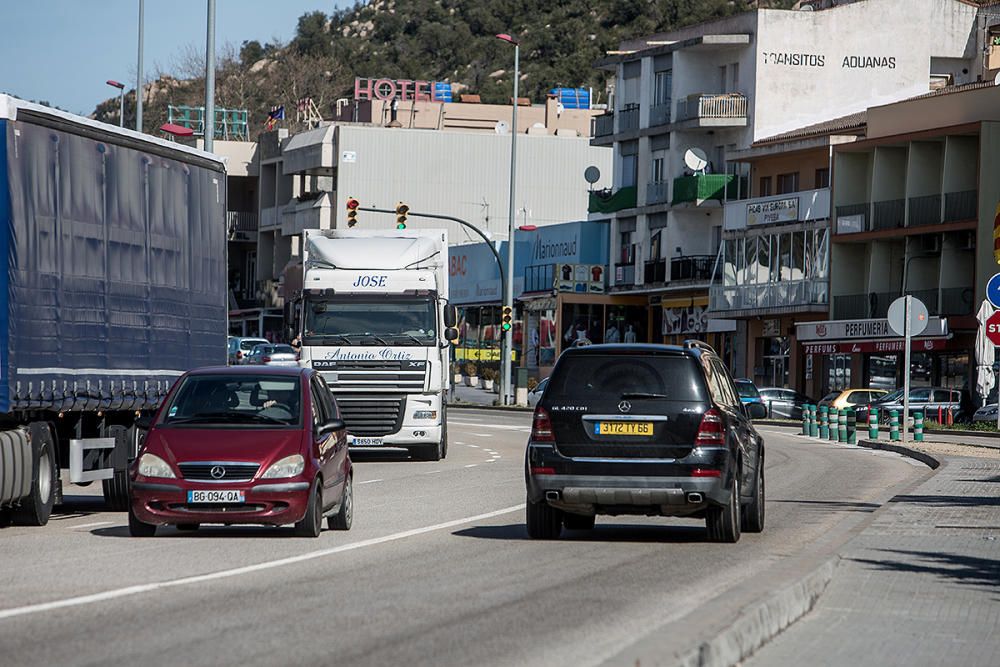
(624, 406)
(217, 472)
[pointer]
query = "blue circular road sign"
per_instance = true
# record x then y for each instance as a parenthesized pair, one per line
(993, 290)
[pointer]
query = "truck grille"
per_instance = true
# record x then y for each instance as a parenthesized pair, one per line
(385, 375)
(231, 472)
(371, 416)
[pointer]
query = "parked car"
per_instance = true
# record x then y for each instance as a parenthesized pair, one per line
(535, 394)
(647, 430)
(244, 445)
(931, 401)
(858, 399)
(750, 396)
(272, 355)
(784, 403)
(239, 348)
(987, 413)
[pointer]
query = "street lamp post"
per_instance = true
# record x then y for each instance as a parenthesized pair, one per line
(121, 100)
(505, 375)
(138, 87)
(210, 78)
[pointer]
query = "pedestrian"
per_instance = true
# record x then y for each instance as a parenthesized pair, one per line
(630, 336)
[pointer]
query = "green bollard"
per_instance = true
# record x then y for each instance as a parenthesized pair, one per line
(873, 423)
(813, 424)
(918, 427)
(842, 426)
(893, 425)
(805, 420)
(835, 425)
(852, 427)
(824, 422)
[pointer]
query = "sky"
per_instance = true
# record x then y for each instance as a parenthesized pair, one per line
(63, 51)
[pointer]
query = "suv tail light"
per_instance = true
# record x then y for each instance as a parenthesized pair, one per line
(710, 430)
(541, 427)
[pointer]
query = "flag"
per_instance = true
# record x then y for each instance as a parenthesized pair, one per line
(996, 235)
(277, 113)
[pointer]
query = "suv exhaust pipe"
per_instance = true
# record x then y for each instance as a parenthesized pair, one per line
(695, 498)
(552, 495)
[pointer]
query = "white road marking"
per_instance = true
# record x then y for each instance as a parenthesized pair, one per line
(483, 435)
(248, 569)
(471, 465)
(498, 427)
(92, 525)
(473, 446)
(431, 472)
(371, 481)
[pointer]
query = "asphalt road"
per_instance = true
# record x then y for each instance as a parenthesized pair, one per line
(437, 570)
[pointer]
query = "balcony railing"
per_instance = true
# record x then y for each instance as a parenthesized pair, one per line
(957, 301)
(657, 192)
(925, 210)
(692, 267)
(782, 294)
(269, 217)
(655, 271)
(242, 225)
(604, 125)
(606, 201)
(659, 114)
(727, 106)
(929, 297)
(702, 187)
(625, 274)
(889, 214)
(863, 306)
(960, 206)
(853, 218)
(628, 118)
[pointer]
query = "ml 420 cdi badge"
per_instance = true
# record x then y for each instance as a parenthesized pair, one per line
(656, 430)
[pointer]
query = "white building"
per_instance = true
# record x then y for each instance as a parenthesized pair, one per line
(721, 86)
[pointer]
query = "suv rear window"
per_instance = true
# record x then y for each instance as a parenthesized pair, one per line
(609, 377)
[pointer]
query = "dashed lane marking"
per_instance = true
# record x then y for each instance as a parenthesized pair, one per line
(92, 525)
(472, 465)
(371, 481)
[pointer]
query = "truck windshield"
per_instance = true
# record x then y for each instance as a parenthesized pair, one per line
(354, 321)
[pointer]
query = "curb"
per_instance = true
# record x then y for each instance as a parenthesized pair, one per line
(762, 622)
(923, 457)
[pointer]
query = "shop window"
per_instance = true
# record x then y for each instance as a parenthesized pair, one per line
(541, 340)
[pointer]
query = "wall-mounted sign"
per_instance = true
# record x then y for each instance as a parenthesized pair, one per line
(838, 330)
(850, 224)
(770, 328)
(387, 89)
(579, 278)
(774, 211)
(875, 346)
(819, 60)
(349, 156)
(693, 319)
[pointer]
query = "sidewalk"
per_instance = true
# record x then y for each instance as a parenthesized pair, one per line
(472, 396)
(920, 585)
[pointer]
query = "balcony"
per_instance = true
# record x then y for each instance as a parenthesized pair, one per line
(957, 301)
(655, 272)
(659, 114)
(695, 268)
(628, 118)
(924, 210)
(960, 206)
(853, 218)
(700, 188)
(723, 110)
(863, 306)
(269, 217)
(954, 301)
(657, 192)
(889, 214)
(604, 125)
(241, 225)
(606, 201)
(625, 274)
(769, 296)
(776, 209)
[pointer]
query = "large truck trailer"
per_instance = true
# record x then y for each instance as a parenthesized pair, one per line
(114, 284)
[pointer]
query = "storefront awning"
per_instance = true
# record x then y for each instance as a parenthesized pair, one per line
(886, 346)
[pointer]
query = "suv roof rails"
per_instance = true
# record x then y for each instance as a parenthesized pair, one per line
(700, 344)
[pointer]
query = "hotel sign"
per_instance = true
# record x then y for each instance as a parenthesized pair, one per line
(388, 89)
(774, 211)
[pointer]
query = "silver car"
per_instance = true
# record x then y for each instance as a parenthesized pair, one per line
(987, 413)
(273, 355)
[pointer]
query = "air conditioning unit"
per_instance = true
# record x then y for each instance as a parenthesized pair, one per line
(929, 243)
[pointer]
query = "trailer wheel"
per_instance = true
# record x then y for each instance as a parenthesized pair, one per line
(116, 489)
(37, 507)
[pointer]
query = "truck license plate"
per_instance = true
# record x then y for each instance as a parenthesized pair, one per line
(366, 442)
(623, 428)
(216, 496)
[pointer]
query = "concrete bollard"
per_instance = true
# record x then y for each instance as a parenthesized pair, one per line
(918, 427)
(813, 424)
(873, 423)
(852, 427)
(893, 425)
(842, 426)
(824, 422)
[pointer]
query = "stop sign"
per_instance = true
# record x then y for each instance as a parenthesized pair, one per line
(993, 328)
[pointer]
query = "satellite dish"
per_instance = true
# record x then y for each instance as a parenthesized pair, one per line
(502, 127)
(695, 159)
(592, 174)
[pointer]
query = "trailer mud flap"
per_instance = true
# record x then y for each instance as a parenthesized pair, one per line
(91, 459)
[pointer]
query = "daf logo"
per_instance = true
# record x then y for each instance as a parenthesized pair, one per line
(624, 406)
(217, 472)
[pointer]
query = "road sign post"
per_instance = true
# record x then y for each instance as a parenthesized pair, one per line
(993, 335)
(908, 318)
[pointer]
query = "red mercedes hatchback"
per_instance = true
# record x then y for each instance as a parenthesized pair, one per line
(244, 445)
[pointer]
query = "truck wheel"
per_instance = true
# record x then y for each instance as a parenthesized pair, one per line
(724, 522)
(544, 521)
(444, 431)
(343, 519)
(37, 507)
(137, 528)
(116, 489)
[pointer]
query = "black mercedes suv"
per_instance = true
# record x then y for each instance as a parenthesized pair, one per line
(656, 430)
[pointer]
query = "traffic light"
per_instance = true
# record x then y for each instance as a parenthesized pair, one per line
(352, 211)
(401, 211)
(507, 319)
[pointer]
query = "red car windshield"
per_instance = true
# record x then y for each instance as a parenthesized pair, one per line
(244, 400)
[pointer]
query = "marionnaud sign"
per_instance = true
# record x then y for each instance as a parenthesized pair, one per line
(837, 330)
(774, 211)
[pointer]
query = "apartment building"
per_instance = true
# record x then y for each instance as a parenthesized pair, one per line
(719, 87)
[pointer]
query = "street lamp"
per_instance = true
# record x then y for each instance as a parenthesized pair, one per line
(121, 100)
(505, 378)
